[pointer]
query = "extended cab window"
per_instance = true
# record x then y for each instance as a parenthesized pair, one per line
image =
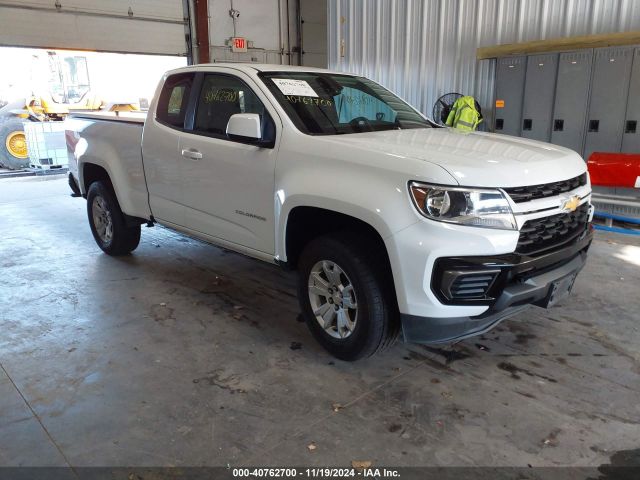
(222, 96)
(174, 99)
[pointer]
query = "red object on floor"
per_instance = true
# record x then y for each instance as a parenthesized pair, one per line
(614, 169)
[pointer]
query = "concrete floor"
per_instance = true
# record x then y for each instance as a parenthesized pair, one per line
(185, 354)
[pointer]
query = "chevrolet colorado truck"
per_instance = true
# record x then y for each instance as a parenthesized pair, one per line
(394, 224)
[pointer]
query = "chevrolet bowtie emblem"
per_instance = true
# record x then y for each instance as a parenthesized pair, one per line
(571, 204)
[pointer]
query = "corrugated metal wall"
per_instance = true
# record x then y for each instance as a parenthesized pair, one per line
(422, 49)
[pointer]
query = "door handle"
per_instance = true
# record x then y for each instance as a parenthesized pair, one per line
(191, 153)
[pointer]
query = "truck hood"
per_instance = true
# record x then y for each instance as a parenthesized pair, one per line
(474, 159)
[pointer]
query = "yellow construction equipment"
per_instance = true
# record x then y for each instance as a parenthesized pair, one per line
(60, 85)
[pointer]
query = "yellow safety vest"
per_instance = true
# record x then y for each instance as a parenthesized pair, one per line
(463, 114)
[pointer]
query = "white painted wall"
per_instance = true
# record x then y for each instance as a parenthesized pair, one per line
(259, 22)
(263, 22)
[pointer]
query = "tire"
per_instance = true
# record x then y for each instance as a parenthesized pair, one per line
(107, 222)
(11, 128)
(351, 333)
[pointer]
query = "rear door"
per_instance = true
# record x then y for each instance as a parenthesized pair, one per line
(162, 158)
(228, 185)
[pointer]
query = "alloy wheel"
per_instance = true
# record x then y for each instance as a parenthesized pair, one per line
(333, 299)
(102, 220)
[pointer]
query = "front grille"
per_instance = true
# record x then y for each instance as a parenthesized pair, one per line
(525, 194)
(542, 234)
(473, 285)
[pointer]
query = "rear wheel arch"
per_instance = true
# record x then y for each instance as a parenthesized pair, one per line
(109, 226)
(92, 172)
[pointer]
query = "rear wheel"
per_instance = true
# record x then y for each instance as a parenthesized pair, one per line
(13, 144)
(346, 301)
(107, 222)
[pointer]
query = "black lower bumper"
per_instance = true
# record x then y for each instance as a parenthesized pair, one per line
(523, 281)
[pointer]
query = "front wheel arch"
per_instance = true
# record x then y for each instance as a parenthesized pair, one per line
(304, 223)
(352, 310)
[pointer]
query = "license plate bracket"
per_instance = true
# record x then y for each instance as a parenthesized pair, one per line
(559, 290)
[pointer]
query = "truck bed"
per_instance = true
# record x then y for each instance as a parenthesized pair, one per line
(112, 142)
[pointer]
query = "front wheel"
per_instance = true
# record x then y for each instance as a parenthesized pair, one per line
(346, 301)
(107, 222)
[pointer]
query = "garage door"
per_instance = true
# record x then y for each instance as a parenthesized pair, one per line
(129, 26)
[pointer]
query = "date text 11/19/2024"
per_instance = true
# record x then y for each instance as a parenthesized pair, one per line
(316, 472)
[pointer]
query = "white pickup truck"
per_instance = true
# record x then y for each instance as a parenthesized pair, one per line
(393, 223)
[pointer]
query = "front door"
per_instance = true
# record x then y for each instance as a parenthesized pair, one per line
(228, 186)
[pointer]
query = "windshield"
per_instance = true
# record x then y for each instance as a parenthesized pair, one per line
(68, 78)
(331, 104)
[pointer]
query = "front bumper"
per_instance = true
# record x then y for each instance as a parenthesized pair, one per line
(522, 281)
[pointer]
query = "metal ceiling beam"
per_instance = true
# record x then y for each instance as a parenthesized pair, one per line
(202, 30)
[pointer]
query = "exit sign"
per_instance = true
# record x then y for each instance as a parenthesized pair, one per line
(238, 44)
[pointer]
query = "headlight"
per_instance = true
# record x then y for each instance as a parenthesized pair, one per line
(474, 207)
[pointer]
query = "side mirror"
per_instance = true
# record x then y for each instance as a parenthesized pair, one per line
(244, 127)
